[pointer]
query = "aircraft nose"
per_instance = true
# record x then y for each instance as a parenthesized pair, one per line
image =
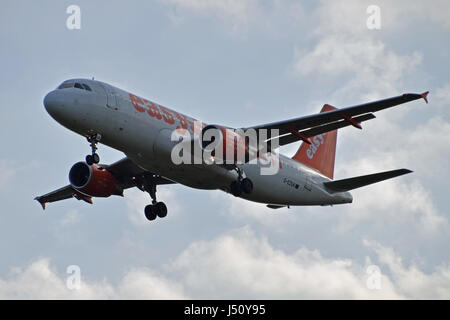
(53, 103)
(49, 101)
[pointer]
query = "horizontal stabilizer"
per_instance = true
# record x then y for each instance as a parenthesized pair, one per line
(361, 181)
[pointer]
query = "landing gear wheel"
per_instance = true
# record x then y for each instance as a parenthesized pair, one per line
(89, 160)
(96, 158)
(161, 209)
(247, 185)
(150, 212)
(156, 209)
(236, 188)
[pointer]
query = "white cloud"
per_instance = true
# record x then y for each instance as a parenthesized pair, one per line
(394, 203)
(136, 201)
(367, 63)
(240, 265)
(387, 146)
(40, 280)
(242, 210)
(240, 15)
(350, 16)
(70, 218)
(145, 284)
(411, 280)
(442, 96)
(346, 50)
(403, 14)
(337, 17)
(358, 58)
(430, 142)
(238, 12)
(6, 173)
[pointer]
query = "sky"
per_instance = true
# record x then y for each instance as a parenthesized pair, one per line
(237, 63)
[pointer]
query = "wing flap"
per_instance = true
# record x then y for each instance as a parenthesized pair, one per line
(361, 181)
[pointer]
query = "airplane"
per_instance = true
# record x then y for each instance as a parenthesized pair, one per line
(143, 131)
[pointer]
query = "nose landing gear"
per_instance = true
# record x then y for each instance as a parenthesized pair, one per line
(93, 157)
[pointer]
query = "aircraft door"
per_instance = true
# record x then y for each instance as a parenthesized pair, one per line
(112, 101)
(308, 182)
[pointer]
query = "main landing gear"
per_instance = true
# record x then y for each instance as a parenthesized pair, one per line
(242, 185)
(156, 209)
(93, 157)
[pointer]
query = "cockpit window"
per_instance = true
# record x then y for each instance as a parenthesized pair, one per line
(66, 84)
(70, 84)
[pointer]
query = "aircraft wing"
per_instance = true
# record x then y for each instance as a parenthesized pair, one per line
(126, 172)
(60, 194)
(304, 127)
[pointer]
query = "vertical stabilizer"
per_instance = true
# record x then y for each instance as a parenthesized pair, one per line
(320, 154)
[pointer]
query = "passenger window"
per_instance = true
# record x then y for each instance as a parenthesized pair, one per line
(86, 87)
(77, 85)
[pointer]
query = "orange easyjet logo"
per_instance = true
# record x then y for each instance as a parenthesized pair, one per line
(159, 112)
(317, 141)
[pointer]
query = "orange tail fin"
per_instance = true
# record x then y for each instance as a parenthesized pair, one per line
(320, 154)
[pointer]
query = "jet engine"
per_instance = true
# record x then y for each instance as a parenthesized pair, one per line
(224, 144)
(93, 181)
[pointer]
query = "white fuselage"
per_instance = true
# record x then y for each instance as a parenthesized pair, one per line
(145, 139)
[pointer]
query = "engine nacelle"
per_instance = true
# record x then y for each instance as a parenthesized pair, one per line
(225, 145)
(93, 180)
